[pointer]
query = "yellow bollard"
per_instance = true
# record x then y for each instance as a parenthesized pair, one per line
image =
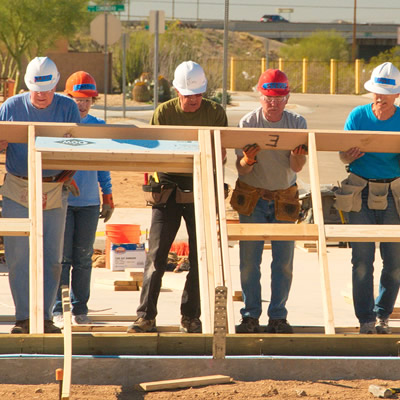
(263, 64)
(333, 76)
(233, 74)
(357, 75)
(280, 64)
(305, 75)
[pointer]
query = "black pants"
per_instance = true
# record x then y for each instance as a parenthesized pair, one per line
(165, 224)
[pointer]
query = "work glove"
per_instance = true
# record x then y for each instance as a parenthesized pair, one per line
(107, 208)
(250, 152)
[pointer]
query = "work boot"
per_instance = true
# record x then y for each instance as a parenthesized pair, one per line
(190, 325)
(249, 325)
(49, 327)
(142, 325)
(367, 328)
(278, 326)
(21, 327)
(81, 319)
(382, 327)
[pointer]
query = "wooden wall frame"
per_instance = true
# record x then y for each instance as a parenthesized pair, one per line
(206, 165)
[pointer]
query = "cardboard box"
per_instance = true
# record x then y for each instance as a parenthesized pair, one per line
(126, 255)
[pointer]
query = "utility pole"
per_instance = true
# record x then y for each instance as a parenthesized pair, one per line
(225, 61)
(354, 43)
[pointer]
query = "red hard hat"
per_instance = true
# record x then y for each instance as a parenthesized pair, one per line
(273, 82)
(81, 84)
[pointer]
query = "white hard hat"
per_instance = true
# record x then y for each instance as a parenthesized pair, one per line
(41, 75)
(385, 79)
(189, 78)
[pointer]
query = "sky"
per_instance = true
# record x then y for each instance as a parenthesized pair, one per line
(368, 11)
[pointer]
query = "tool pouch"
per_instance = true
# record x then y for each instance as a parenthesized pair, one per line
(244, 198)
(16, 189)
(184, 196)
(377, 195)
(348, 195)
(287, 204)
(395, 188)
(157, 194)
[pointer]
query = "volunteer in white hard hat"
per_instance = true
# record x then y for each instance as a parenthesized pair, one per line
(171, 196)
(371, 196)
(40, 104)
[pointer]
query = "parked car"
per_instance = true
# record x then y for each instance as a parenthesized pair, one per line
(273, 18)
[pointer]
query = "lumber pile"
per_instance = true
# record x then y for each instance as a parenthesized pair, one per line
(133, 281)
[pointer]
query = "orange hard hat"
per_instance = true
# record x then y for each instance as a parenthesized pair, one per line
(273, 82)
(81, 84)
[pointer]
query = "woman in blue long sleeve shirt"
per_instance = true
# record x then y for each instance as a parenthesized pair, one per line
(83, 213)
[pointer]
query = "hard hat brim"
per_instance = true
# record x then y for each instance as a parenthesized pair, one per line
(86, 93)
(380, 89)
(189, 92)
(41, 88)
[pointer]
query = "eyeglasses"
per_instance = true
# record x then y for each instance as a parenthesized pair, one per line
(270, 99)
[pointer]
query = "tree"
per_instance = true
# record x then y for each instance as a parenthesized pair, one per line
(320, 46)
(30, 27)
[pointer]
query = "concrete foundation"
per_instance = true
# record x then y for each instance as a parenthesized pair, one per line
(130, 370)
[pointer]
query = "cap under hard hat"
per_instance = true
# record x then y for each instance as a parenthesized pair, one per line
(385, 79)
(41, 75)
(81, 84)
(189, 79)
(273, 82)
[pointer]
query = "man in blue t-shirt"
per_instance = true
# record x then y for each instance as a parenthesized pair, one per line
(40, 104)
(375, 187)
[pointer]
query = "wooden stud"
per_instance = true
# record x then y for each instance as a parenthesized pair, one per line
(223, 232)
(67, 369)
(319, 220)
(201, 245)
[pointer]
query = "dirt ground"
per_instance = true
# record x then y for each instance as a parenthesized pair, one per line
(237, 390)
(127, 193)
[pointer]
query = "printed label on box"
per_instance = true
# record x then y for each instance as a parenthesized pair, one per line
(127, 255)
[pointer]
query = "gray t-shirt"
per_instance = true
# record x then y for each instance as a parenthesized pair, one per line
(272, 170)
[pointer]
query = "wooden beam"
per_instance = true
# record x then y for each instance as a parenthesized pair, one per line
(15, 226)
(347, 343)
(201, 245)
(223, 232)
(362, 233)
(185, 382)
(36, 287)
(272, 231)
(67, 336)
(319, 221)
(326, 140)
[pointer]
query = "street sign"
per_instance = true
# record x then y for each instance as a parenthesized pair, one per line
(106, 8)
(161, 21)
(97, 29)
(284, 10)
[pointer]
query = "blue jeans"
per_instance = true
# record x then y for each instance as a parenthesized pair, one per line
(363, 256)
(17, 256)
(250, 262)
(80, 234)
